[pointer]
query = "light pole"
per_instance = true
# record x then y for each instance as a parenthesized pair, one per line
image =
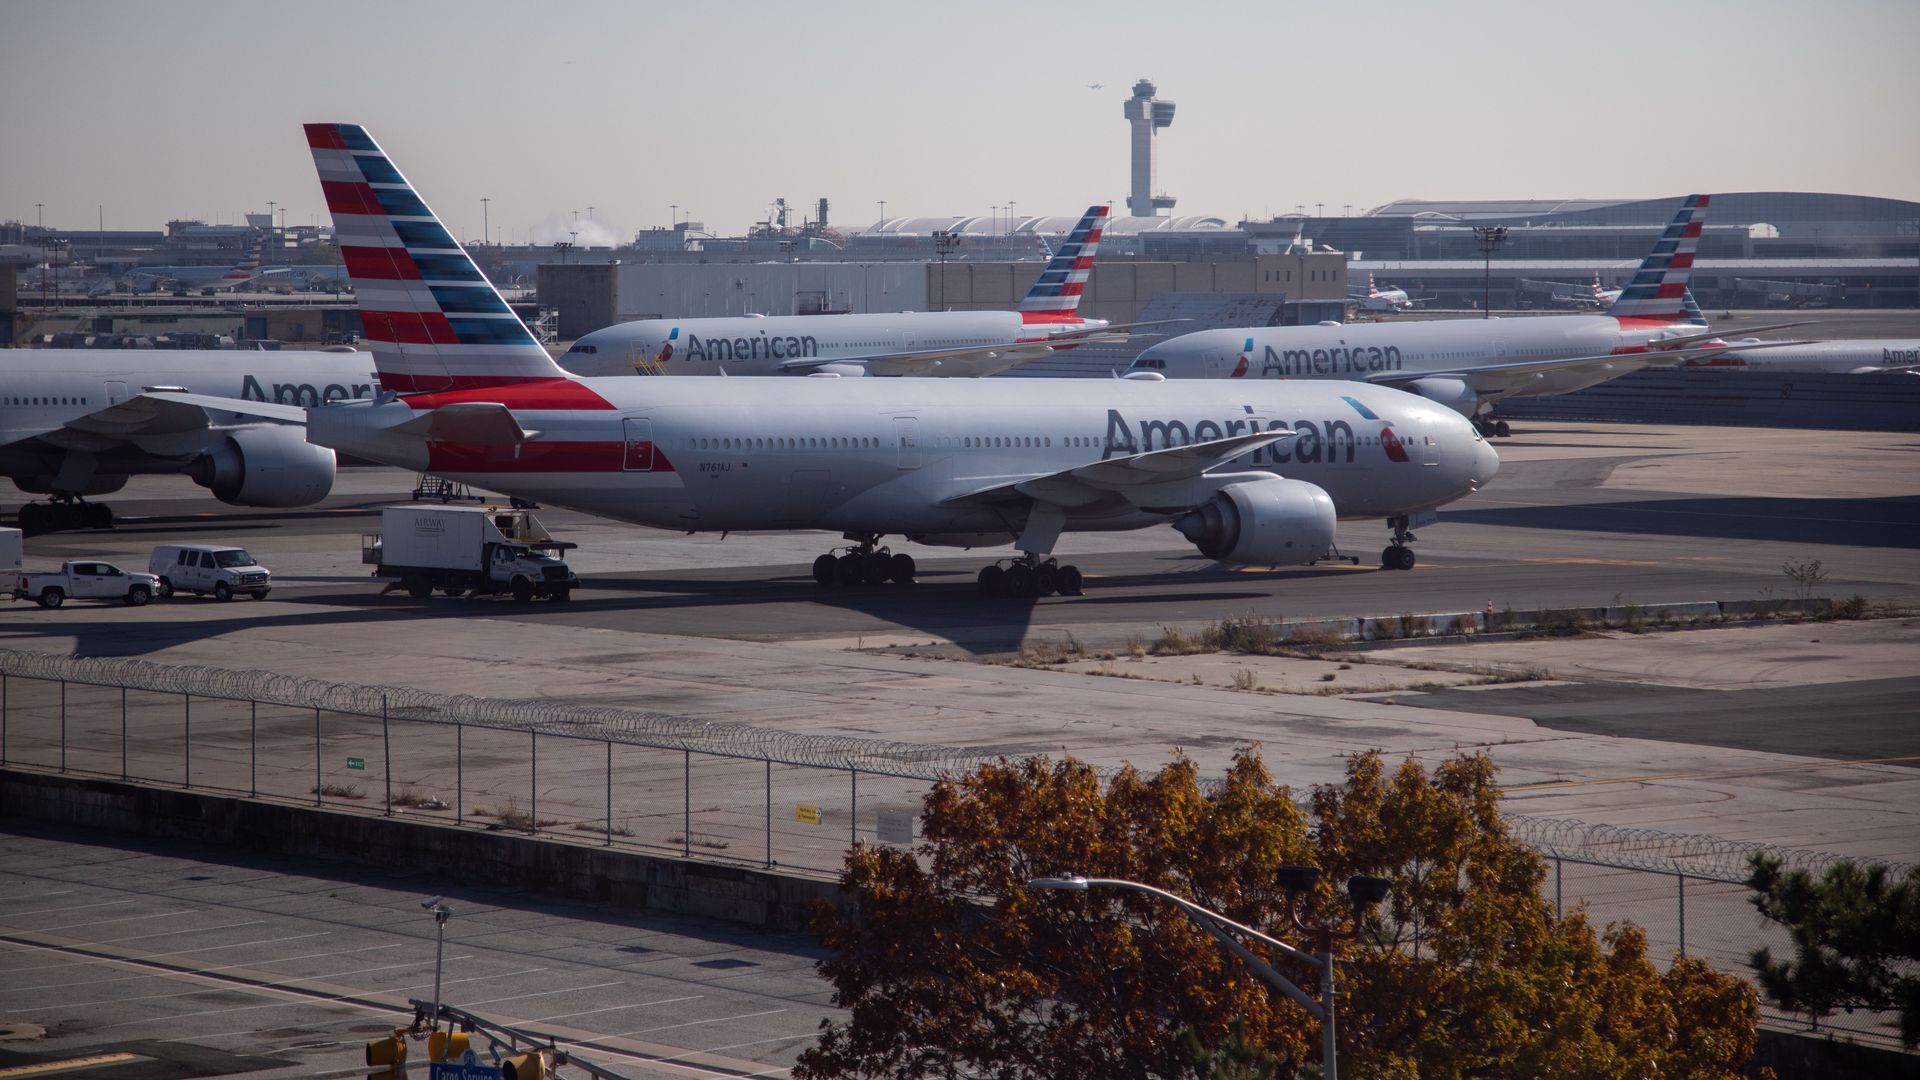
(486, 221)
(1490, 237)
(441, 913)
(944, 241)
(1364, 891)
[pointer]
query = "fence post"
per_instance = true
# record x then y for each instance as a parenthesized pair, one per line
(459, 771)
(769, 811)
(123, 733)
(63, 725)
(686, 804)
(853, 811)
(316, 755)
(609, 792)
(1558, 912)
(186, 768)
(533, 779)
(386, 752)
(253, 746)
(3, 719)
(1681, 876)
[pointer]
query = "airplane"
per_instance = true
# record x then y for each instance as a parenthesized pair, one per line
(948, 343)
(1378, 299)
(1861, 356)
(1251, 474)
(1096, 86)
(1591, 296)
(1471, 364)
(226, 277)
(79, 422)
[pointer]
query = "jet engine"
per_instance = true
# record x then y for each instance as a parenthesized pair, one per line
(1272, 522)
(267, 465)
(1455, 394)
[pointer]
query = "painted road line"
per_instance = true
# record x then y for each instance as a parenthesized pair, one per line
(543, 993)
(1648, 778)
(614, 1008)
(49, 1068)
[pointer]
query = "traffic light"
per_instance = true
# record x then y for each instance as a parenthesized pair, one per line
(390, 1054)
(447, 1045)
(531, 1066)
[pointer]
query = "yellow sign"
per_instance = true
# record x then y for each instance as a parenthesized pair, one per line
(808, 814)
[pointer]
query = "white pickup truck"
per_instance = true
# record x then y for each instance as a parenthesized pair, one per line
(85, 579)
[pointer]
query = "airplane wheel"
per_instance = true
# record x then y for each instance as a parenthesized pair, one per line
(852, 568)
(825, 569)
(901, 569)
(1397, 557)
(989, 580)
(1503, 429)
(454, 591)
(1046, 579)
(1070, 581)
(878, 568)
(1017, 581)
(32, 518)
(97, 515)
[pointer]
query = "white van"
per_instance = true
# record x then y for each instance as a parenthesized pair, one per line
(209, 568)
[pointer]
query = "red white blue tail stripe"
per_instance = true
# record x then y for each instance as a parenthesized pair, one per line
(1056, 295)
(1658, 290)
(247, 267)
(435, 322)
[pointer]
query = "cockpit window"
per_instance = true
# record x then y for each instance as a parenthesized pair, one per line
(587, 349)
(1149, 363)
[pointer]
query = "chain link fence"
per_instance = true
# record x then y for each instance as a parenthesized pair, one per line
(724, 792)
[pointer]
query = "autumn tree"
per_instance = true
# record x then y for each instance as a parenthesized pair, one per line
(950, 966)
(1856, 939)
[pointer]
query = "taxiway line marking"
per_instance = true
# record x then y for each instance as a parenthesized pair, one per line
(46, 1068)
(1551, 785)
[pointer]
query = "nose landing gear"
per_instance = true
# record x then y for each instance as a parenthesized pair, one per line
(863, 564)
(1398, 556)
(1030, 576)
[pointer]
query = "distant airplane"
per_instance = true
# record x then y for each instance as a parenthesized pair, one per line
(1095, 86)
(224, 277)
(1378, 299)
(1591, 297)
(1871, 356)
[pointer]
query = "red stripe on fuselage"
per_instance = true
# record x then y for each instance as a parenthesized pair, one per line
(543, 457)
(527, 394)
(1051, 317)
(324, 137)
(346, 197)
(380, 264)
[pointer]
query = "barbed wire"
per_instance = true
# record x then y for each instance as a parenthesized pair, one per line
(1707, 857)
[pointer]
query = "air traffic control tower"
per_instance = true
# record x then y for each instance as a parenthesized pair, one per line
(1147, 117)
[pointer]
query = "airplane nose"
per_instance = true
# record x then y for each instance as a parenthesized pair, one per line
(1486, 463)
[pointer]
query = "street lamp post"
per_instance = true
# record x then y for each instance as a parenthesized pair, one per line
(1490, 237)
(944, 241)
(1364, 891)
(441, 913)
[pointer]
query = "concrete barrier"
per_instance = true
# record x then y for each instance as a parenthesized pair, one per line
(759, 898)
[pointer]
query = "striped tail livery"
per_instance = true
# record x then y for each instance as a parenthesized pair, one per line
(1659, 289)
(434, 320)
(1055, 296)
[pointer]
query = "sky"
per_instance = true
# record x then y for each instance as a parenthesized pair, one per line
(144, 112)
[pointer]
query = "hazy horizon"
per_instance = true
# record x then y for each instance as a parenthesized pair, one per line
(193, 109)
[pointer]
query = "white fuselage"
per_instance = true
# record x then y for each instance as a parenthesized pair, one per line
(43, 391)
(1864, 356)
(1452, 345)
(893, 456)
(761, 345)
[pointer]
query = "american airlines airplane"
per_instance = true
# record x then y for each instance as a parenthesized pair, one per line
(79, 422)
(1389, 299)
(1251, 474)
(1470, 364)
(954, 343)
(200, 276)
(1862, 356)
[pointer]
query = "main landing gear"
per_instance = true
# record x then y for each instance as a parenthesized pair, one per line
(1030, 576)
(1398, 556)
(1489, 428)
(61, 514)
(863, 564)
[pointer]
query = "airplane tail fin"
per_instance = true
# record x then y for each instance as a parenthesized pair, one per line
(246, 268)
(1372, 289)
(1694, 314)
(1659, 288)
(434, 320)
(1056, 295)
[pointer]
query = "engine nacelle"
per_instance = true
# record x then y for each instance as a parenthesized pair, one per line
(1273, 522)
(267, 465)
(1455, 394)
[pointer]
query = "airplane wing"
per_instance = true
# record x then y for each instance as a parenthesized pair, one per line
(1493, 378)
(146, 416)
(1711, 335)
(1084, 485)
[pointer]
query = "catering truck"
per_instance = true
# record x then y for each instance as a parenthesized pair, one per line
(467, 550)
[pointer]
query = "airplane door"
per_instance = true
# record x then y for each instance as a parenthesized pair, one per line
(907, 428)
(638, 452)
(1214, 366)
(1429, 444)
(116, 391)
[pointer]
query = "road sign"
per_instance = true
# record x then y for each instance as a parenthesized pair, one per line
(808, 814)
(438, 1071)
(895, 827)
(356, 763)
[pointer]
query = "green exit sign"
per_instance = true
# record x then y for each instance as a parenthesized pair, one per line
(356, 763)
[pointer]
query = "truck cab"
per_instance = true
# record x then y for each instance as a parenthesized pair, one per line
(519, 569)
